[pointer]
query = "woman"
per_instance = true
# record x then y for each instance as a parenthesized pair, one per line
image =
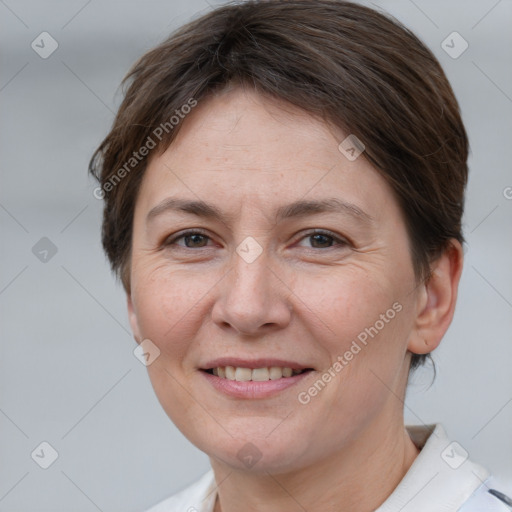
(284, 187)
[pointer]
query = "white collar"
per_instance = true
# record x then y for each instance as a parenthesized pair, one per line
(441, 478)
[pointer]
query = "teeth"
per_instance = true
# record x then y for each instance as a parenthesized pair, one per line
(257, 374)
(276, 373)
(243, 374)
(230, 373)
(261, 374)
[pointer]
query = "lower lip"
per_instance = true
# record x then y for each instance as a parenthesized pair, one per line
(253, 389)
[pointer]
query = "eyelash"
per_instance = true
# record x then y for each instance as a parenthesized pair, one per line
(342, 242)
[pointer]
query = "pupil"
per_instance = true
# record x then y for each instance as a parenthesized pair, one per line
(194, 239)
(324, 237)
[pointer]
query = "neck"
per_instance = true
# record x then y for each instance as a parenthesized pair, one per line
(357, 478)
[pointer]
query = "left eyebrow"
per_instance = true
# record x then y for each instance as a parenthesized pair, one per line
(301, 208)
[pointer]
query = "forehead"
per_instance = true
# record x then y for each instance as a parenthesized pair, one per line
(245, 128)
(239, 144)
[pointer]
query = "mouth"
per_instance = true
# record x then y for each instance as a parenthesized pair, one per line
(263, 374)
(256, 379)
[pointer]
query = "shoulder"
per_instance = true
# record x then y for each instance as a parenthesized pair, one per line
(487, 498)
(194, 498)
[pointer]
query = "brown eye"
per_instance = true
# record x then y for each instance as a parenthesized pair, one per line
(192, 240)
(196, 240)
(323, 240)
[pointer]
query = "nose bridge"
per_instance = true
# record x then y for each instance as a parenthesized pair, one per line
(252, 297)
(251, 272)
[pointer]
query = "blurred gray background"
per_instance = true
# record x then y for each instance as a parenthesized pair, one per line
(68, 374)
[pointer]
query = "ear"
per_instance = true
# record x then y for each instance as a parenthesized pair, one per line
(436, 300)
(132, 316)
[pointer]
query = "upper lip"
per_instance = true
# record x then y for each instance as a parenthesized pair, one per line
(252, 363)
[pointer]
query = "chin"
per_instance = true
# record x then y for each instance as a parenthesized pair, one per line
(258, 452)
(251, 458)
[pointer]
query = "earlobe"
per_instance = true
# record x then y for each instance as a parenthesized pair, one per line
(132, 317)
(436, 300)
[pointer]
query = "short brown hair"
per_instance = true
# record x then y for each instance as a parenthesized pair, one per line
(346, 63)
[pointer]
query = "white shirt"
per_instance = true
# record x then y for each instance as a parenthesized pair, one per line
(441, 479)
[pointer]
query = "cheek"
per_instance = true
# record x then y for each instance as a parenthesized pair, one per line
(168, 304)
(346, 305)
(360, 320)
(168, 301)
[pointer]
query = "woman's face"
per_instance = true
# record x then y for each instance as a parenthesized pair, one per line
(256, 288)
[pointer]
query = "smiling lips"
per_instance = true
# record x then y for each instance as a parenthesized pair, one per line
(261, 378)
(242, 374)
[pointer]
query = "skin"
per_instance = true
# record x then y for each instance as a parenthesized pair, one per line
(303, 299)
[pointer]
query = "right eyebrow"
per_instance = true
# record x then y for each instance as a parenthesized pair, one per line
(198, 208)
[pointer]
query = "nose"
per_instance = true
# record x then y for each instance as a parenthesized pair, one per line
(253, 299)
